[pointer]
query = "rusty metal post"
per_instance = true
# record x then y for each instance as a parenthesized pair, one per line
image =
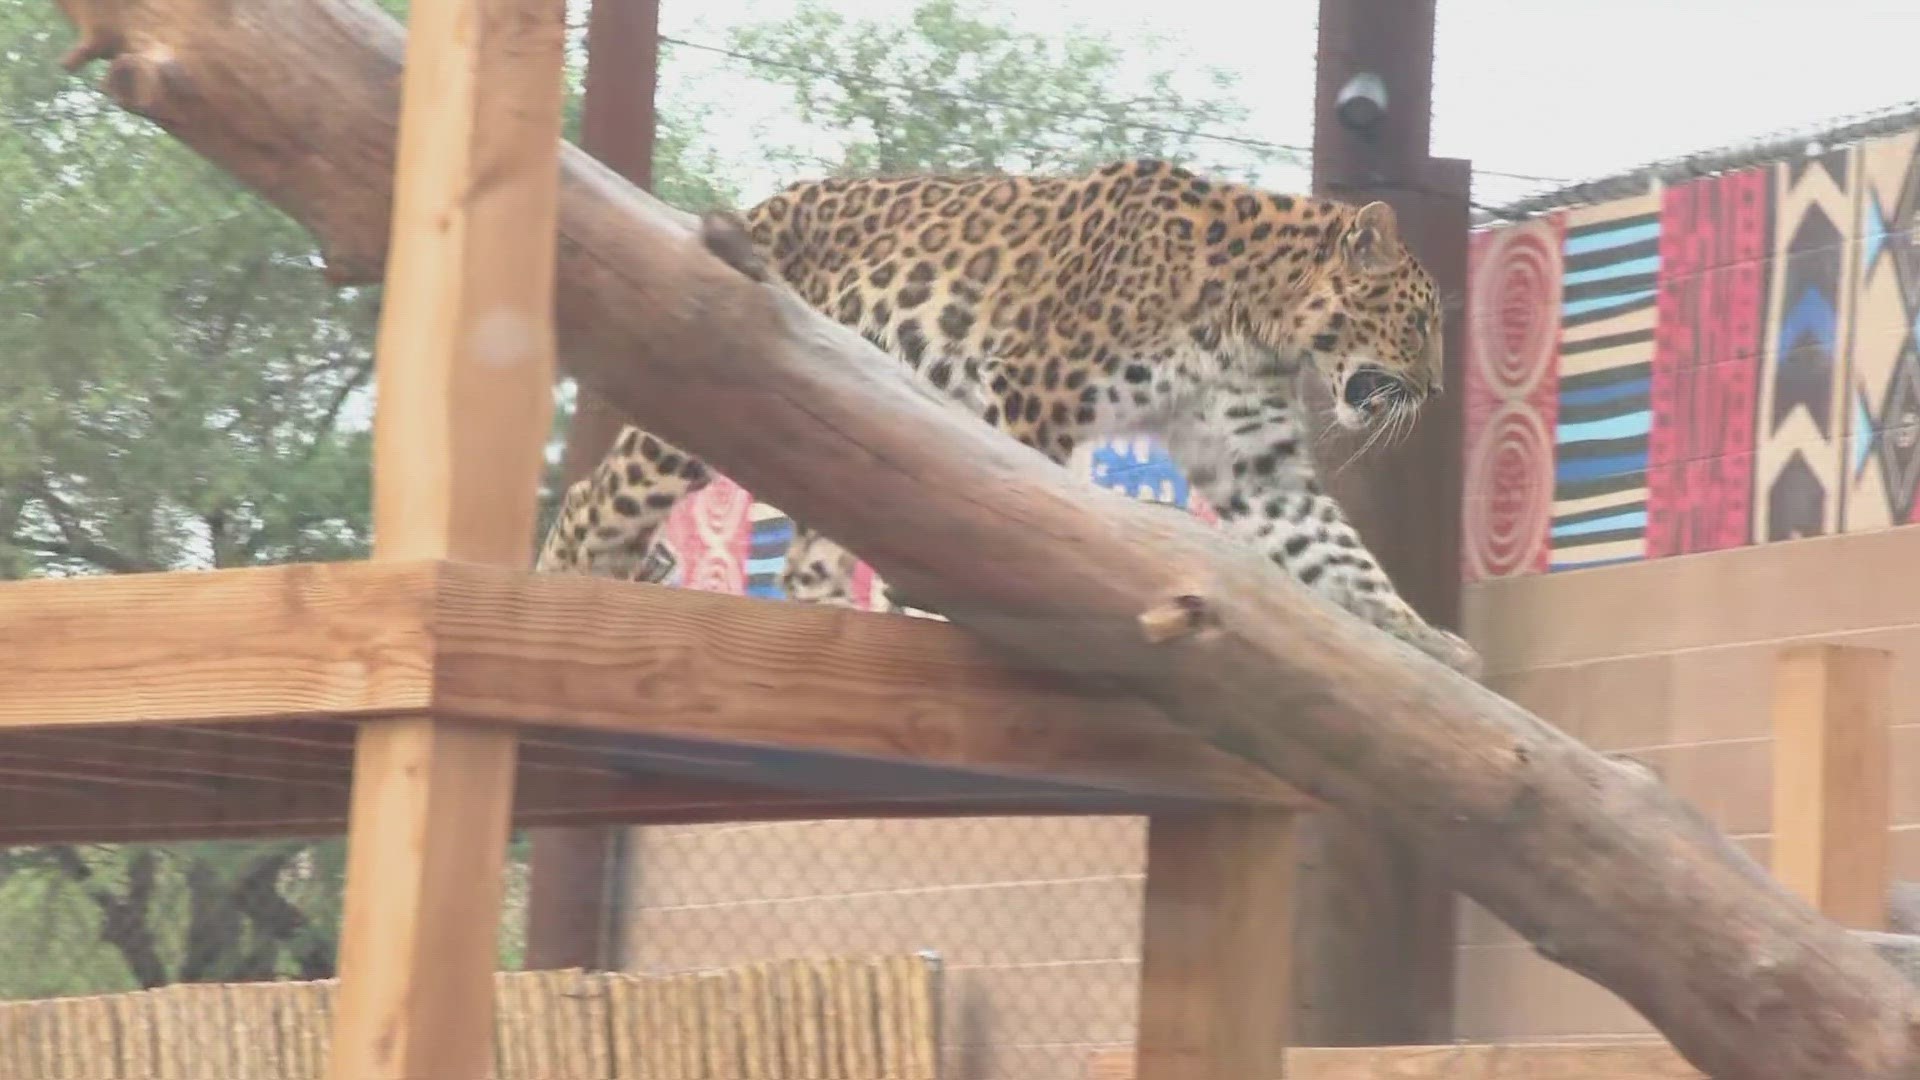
(572, 898)
(1375, 934)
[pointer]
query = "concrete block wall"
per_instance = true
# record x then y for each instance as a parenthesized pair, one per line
(1692, 436)
(1671, 661)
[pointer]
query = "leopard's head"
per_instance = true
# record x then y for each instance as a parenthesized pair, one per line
(1368, 318)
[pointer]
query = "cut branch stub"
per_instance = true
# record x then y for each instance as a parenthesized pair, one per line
(1183, 616)
(727, 237)
(141, 82)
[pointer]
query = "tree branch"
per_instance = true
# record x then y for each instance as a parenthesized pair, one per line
(330, 414)
(280, 923)
(77, 541)
(124, 918)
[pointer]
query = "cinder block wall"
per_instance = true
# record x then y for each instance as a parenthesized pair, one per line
(1693, 435)
(1672, 662)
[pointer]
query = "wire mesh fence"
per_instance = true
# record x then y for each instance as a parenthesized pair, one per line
(174, 372)
(1036, 921)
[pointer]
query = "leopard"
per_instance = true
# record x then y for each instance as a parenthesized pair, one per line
(1138, 297)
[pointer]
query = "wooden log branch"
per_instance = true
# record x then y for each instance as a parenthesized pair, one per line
(1592, 859)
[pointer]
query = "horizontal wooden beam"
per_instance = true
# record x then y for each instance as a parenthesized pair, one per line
(340, 640)
(154, 782)
(1468, 1061)
(1598, 1061)
(366, 640)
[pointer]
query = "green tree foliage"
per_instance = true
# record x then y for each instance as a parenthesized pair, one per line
(180, 388)
(947, 89)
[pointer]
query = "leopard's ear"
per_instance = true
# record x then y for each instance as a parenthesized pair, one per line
(1372, 242)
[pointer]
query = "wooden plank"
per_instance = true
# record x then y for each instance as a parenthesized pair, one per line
(466, 338)
(1751, 595)
(464, 375)
(1624, 1061)
(284, 641)
(1216, 973)
(580, 652)
(426, 852)
(159, 783)
(357, 640)
(1832, 779)
(256, 811)
(1596, 1061)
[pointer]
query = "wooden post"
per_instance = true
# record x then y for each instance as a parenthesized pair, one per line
(465, 405)
(573, 901)
(1376, 926)
(1216, 974)
(1832, 779)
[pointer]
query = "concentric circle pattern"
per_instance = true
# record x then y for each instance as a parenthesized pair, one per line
(717, 515)
(1506, 504)
(1515, 302)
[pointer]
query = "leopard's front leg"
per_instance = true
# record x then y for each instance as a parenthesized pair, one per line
(1246, 454)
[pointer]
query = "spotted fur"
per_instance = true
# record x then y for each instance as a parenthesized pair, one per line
(1139, 298)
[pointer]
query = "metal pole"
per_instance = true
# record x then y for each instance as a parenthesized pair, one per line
(1375, 941)
(573, 895)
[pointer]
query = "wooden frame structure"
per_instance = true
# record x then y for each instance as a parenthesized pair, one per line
(429, 698)
(678, 327)
(1832, 715)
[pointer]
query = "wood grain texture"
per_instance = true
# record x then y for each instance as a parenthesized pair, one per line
(464, 373)
(1603, 1061)
(1832, 780)
(1596, 862)
(465, 370)
(108, 784)
(426, 854)
(335, 639)
(1216, 968)
(1519, 1062)
(503, 645)
(571, 650)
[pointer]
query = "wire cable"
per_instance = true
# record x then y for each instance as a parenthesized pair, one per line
(1300, 155)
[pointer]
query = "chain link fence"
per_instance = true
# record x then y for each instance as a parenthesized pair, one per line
(1035, 921)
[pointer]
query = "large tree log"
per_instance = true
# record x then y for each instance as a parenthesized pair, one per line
(1592, 859)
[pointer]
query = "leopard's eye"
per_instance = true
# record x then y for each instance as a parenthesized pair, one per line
(1418, 327)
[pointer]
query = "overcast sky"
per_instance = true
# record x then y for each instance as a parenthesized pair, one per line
(1565, 89)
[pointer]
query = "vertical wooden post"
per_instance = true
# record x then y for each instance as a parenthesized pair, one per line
(465, 404)
(1216, 975)
(1832, 779)
(1376, 925)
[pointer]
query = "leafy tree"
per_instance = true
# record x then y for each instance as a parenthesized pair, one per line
(181, 389)
(948, 89)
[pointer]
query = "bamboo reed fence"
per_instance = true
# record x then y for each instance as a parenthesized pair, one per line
(831, 1018)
